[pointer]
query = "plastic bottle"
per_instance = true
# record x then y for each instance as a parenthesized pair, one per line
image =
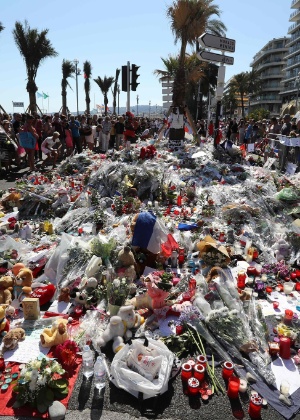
(87, 361)
(99, 373)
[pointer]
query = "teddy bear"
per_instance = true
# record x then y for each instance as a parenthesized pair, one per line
(4, 324)
(282, 249)
(55, 335)
(87, 293)
(126, 263)
(64, 295)
(22, 286)
(119, 328)
(11, 339)
(6, 287)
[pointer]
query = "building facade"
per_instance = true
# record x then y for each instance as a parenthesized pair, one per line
(270, 64)
(290, 89)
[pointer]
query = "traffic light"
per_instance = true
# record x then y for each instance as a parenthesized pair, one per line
(134, 76)
(124, 78)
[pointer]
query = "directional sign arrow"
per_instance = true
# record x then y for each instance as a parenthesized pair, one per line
(217, 42)
(219, 58)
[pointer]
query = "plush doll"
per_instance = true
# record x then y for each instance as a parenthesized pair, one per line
(22, 287)
(57, 334)
(10, 312)
(126, 263)
(16, 268)
(4, 324)
(12, 338)
(282, 249)
(6, 286)
(119, 328)
(64, 295)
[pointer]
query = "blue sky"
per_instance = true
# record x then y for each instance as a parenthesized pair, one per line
(110, 33)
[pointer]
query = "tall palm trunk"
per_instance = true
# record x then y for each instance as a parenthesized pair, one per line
(115, 91)
(87, 95)
(32, 89)
(105, 103)
(64, 101)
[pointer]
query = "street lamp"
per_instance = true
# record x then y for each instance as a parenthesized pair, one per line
(149, 109)
(137, 105)
(77, 73)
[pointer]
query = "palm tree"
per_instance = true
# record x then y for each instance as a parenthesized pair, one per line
(68, 69)
(254, 82)
(189, 19)
(35, 47)
(104, 85)
(87, 70)
(115, 90)
(229, 100)
(1, 27)
(240, 85)
(171, 66)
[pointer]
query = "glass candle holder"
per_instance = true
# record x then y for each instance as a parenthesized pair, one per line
(227, 371)
(285, 348)
(251, 271)
(275, 305)
(193, 386)
(201, 360)
(288, 287)
(241, 279)
(233, 387)
(255, 406)
(186, 372)
(288, 315)
(199, 372)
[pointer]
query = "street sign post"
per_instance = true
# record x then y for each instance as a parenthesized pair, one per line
(217, 42)
(219, 58)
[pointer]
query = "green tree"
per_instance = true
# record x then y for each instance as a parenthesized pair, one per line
(1, 27)
(189, 19)
(87, 71)
(239, 84)
(229, 101)
(104, 85)
(35, 47)
(254, 82)
(68, 69)
(115, 90)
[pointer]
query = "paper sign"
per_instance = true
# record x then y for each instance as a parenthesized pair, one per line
(251, 147)
(290, 168)
(285, 370)
(177, 121)
(269, 163)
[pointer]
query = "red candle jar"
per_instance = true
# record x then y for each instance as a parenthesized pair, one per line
(222, 237)
(288, 315)
(192, 284)
(201, 360)
(179, 329)
(233, 387)
(285, 348)
(199, 372)
(193, 386)
(191, 362)
(2, 364)
(255, 407)
(227, 371)
(241, 279)
(275, 305)
(255, 254)
(297, 274)
(179, 200)
(251, 271)
(293, 276)
(297, 287)
(186, 372)
(269, 289)
(181, 256)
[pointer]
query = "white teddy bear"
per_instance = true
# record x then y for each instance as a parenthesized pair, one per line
(119, 327)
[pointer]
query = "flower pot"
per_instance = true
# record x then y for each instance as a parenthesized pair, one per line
(113, 309)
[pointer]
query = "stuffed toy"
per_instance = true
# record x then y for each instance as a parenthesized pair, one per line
(55, 335)
(10, 312)
(4, 324)
(282, 249)
(126, 263)
(6, 287)
(119, 328)
(43, 293)
(64, 295)
(87, 293)
(22, 286)
(12, 338)
(16, 268)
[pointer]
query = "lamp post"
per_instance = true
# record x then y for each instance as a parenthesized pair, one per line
(118, 90)
(297, 83)
(77, 73)
(137, 105)
(149, 109)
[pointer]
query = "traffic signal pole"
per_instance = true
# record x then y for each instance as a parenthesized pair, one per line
(128, 86)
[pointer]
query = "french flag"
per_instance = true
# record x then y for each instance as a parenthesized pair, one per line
(150, 233)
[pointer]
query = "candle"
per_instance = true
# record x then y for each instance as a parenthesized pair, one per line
(233, 387)
(288, 288)
(255, 407)
(275, 305)
(251, 271)
(264, 277)
(2, 364)
(227, 371)
(179, 329)
(269, 289)
(241, 279)
(288, 315)
(192, 284)
(193, 386)
(186, 374)
(199, 372)
(179, 200)
(201, 360)
(243, 385)
(297, 287)
(285, 348)
(156, 204)
(297, 274)
(293, 276)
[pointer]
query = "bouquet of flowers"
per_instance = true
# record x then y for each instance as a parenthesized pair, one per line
(40, 383)
(117, 291)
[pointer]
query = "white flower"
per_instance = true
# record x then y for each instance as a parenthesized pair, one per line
(116, 283)
(34, 374)
(32, 385)
(35, 364)
(42, 380)
(27, 375)
(55, 367)
(47, 371)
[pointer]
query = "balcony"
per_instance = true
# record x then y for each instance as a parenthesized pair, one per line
(295, 4)
(293, 27)
(293, 38)
(268, 52)
(295, 15)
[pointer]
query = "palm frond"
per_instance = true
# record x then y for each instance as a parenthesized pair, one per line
(1, 27)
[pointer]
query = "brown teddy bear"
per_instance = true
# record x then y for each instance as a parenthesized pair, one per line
(22, 286)
(64, 295)
(55, 335)
(11, 339)
(6, 287)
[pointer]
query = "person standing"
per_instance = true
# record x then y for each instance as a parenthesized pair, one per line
(285, 131)
(106, 127)
(74, 126)
(234, 131)
(119, 127)
(29, 128)
(241, 131)
(38, 125)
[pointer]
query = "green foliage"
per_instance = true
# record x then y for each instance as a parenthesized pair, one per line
(259, 114)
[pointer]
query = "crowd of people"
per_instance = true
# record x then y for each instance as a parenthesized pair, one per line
(57, 137)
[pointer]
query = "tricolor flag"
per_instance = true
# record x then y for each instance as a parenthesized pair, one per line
(151, 234)
(45, 96)
(39, 95)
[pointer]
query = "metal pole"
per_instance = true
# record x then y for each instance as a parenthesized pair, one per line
(128, 86)
(76, 74)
